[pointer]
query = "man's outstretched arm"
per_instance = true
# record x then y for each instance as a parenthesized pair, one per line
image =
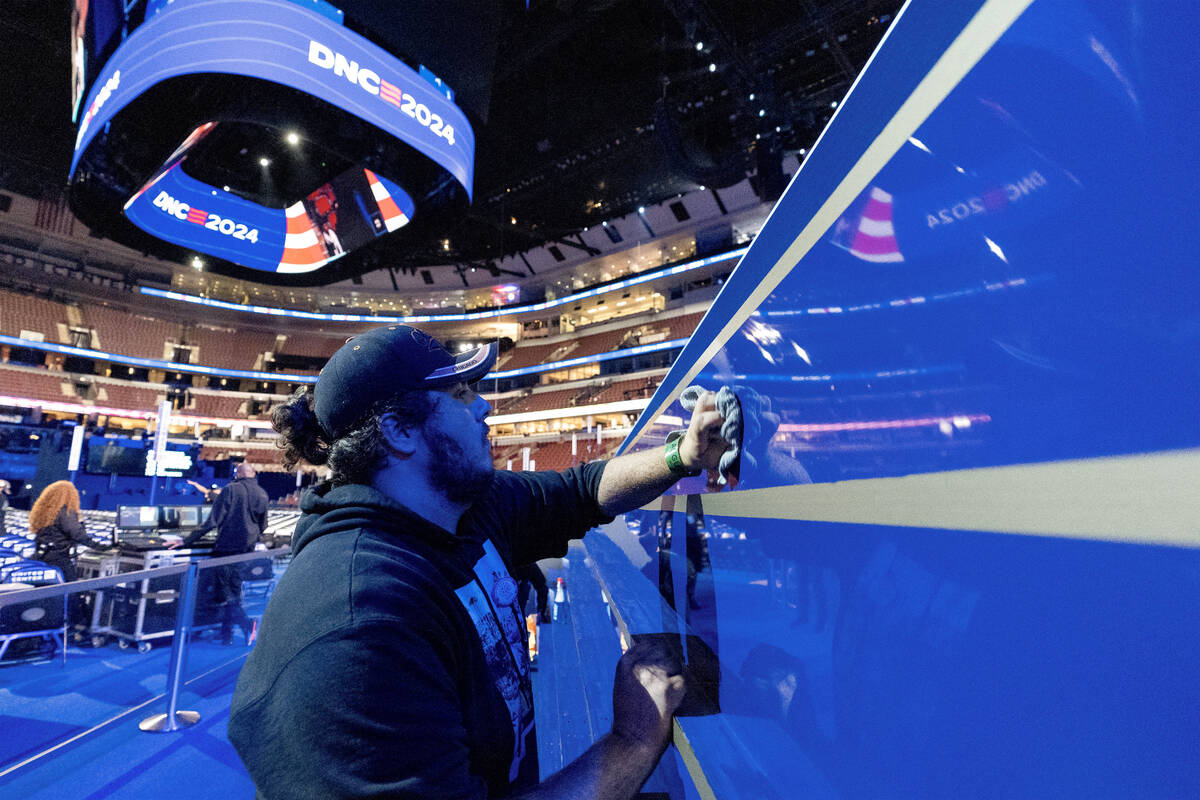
(646, 691)
(632, 480)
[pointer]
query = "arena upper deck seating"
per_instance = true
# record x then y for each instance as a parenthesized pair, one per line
(49, 386)
(637, 332)
(626, 390)
(129, 397)
(119, 331)
(529, 355)
(208, 405)
(28, 312)
(541, 401)
(228, 349)
(304, 344)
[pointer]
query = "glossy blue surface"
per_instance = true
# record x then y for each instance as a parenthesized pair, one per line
(1014, 285)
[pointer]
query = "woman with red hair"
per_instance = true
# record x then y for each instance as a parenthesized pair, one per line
(55, 521)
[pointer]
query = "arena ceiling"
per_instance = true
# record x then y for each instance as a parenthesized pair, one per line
(595, 107)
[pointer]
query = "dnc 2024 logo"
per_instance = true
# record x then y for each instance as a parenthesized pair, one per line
(369, 81)
(182, 211)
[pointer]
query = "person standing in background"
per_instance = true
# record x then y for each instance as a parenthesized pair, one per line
(5, 489)
(210, 493)
(240, 516)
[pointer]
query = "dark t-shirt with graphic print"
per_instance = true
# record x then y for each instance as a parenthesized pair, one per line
(392, 660)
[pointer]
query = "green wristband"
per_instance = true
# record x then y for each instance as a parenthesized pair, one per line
(674, 462)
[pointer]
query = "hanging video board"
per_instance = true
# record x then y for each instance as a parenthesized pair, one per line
(291, 46)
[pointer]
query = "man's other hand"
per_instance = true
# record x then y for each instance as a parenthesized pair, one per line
(646, 691)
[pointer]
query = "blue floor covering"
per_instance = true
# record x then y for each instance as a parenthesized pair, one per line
(70, 733)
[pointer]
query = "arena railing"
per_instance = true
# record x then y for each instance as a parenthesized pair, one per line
(24, 608)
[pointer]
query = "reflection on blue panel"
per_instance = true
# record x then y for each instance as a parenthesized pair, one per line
(1014, 285)
(871, 661)
(1014, 262)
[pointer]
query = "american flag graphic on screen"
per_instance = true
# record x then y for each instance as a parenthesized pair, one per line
(393, 217)
(390, 93)
(875, 238)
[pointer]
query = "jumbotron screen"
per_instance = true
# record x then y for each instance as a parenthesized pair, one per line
(237, 68)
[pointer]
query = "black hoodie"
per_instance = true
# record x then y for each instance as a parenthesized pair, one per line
(392, 659)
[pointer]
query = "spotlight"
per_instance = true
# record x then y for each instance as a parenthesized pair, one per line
(712, 67)
(264, 162)
(226, 188)
(833, 104)
(752, 95)
(762, 112)
(292, 138)
(198, 263)
(699, 46)
(641, 209)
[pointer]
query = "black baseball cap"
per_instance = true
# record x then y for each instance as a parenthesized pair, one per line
(383, 362)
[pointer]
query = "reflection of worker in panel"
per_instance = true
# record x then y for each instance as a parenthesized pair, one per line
(776, 687)
(530, 578)
(392, 659)
(240, 516)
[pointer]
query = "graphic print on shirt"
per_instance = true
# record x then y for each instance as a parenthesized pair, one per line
(491, 601)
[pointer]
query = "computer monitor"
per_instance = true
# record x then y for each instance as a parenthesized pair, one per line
(137, 517)
(189, 516)
(168, 517)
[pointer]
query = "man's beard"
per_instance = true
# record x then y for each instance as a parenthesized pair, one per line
(451, 470)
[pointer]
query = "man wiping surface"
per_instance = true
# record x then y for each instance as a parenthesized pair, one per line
(392, 659)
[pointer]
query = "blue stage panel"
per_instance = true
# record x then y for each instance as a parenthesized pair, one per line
(959, 554)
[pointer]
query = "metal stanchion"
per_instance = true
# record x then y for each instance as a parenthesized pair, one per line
(176, 720)
(66, 637)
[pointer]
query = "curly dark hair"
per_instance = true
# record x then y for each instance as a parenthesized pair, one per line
(357, 454)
